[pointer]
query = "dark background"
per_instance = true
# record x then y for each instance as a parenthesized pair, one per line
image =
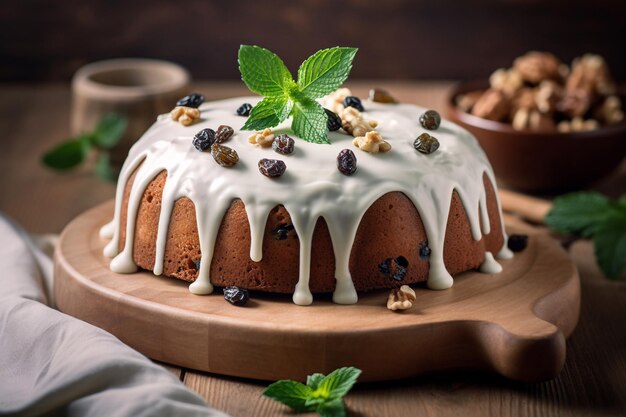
(398, 39)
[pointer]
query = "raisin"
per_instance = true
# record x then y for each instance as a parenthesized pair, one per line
(346, 162)
(193, 100)
(272, 168)
(283, 144)
(424, 250)
(517, 243)
(244, 109)
(379, 95)
(334, 121)
(281, 232)
(426, 143)
(223, 133)
(394, 268)
(236, 295)
(352, 101)
(430, 120)
(204, 139)
(224, 155)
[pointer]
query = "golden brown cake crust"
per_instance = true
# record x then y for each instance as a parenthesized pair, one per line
(390, 228)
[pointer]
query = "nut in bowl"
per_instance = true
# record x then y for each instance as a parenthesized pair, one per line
(545, 126)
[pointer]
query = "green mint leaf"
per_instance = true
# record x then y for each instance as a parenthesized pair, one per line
(68, 154)
(578, 213)
(109, 131)
(291, 393)
(309, 121)
(263, 71)
(325, 71)
(268, 112)
(312, 381)
(103, 168)
(337, 384)
(609, 241)
(334, 408)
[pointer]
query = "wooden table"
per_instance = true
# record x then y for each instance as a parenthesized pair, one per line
(593, 382)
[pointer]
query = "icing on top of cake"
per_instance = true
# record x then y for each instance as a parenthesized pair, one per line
(311, 187)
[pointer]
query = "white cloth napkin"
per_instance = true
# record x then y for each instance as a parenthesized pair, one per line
(54, 364)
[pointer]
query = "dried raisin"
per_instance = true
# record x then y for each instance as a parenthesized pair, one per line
(236, 295)
(193, 100)
(346, 162)
(272, 168)
(283, 144)
(204, 139)
(430, 120)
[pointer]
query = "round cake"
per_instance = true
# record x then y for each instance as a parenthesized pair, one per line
(402, 217)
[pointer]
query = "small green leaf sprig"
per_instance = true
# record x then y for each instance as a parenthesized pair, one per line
(265, 74)
(593, 215)
(322, 394)
(73, 151)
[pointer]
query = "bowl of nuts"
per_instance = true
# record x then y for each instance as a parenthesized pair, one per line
(544, 125)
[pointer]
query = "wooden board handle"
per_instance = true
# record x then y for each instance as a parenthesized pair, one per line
(531, 208)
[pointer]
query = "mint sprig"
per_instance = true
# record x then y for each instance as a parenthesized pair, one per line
(73, 151)
(593, 215)
(265, 73)
(322, 394)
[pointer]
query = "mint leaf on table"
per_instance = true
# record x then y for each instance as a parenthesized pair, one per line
(68, 154)
(109, 131)
(323, 394)
(594, 216)
(325, 71)
(265, 73)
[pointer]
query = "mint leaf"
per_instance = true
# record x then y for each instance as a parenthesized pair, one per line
(109, 131)
(269, 112)
(263, 71)
(291, 393)
(610, 244)
(578, 213)
(312, 381)
(309, 121)
(334, 408)
(103, 168)
(68, 154)
(325, 71)
(338, 383)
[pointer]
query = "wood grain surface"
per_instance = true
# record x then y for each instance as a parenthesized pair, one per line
(592, 382)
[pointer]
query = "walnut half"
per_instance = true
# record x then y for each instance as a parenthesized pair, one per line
(401, 298)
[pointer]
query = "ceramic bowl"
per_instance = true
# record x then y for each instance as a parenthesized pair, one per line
(542, 161)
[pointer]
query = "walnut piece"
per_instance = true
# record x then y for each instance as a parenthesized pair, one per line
(263, 139)
(547, 95)
(577, 124)
(185, 115)
(610, 111)
(508, 81)
(575, 103)
(401, 298)
(492, 105)
(372, 142)
(334, 101)
(354, 124)
(536, 67)
(532, 119)
(591, 74)
(466, 101)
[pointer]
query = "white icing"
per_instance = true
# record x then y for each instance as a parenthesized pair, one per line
(490, 265)
(311, 188)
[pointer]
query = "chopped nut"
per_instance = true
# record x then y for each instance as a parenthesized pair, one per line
(492, 105)
(533, 120)
(610, 111)
(185, 115)
(263, 139)
(536, 67)
(547, 96)
(334, 101)
(577, 124)
(524, 99)
(590, 73)
(372, 142)
(354, 123)
(466, 101)
(401, 298)
(508, 81)
(575, 103)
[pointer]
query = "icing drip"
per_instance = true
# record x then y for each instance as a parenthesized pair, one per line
(312, 188)
(490, 265)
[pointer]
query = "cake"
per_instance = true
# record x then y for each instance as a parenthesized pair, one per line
(403, 217)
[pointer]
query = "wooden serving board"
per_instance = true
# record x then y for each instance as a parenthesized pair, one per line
(514, 323)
